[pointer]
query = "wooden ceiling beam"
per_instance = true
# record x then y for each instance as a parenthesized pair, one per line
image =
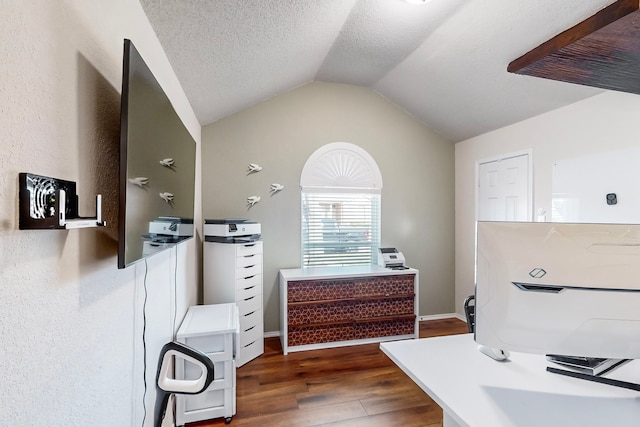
(601, 51)
(601, 19)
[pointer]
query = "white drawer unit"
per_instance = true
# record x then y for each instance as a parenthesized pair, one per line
(233, 274)
(211, 329)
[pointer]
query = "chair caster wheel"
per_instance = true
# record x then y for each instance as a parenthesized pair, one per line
(227, 420)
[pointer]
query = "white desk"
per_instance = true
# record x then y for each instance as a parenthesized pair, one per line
(476, 391)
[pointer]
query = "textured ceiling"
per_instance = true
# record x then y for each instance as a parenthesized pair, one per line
(445, 62)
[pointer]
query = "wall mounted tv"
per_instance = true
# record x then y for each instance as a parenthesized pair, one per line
(157, 166)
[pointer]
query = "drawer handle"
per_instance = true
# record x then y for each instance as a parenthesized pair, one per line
(248, 245)
(250, 266)
(250, 298)
(250, 287)
(249, 256)
(251, 343)
(248, 314)
(247, 330)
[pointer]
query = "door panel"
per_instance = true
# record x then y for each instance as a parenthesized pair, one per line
(503, 189)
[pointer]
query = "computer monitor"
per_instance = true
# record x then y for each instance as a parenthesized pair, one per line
(559, 288)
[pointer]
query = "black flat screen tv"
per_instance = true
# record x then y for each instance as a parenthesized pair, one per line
(157, 166)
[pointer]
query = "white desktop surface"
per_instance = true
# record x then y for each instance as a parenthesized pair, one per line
(477, 391)
(201, 320)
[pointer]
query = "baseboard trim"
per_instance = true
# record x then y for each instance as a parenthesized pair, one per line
(442, 316)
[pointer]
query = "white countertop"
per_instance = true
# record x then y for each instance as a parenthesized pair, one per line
(205, 319)
(477, 391)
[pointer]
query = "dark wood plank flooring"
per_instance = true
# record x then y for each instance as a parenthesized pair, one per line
(356, 386)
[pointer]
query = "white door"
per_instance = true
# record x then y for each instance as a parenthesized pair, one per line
(504, 189)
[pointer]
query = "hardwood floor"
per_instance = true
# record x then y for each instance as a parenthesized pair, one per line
(357, 386)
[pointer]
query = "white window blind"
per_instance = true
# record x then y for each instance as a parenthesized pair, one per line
(340, 228)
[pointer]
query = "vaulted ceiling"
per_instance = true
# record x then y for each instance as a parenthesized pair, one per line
(445, 62)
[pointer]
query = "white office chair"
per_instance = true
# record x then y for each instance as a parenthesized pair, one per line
(470, 312)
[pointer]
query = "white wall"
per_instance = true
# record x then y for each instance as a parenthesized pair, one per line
(608, 121)
(70, 321)
(281, 133)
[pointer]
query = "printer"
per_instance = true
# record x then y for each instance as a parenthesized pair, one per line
(164, 232)
(391, 258)
(231, 230)
(171, 226)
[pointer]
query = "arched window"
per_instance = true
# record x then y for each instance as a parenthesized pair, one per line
(341, 189)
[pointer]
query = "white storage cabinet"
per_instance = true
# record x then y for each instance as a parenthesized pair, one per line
(233, 274)
(212, 330)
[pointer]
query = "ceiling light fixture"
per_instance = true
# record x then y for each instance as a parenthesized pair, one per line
(417, 1)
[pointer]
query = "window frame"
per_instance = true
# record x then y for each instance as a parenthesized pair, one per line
(339, 228)
(344, 172)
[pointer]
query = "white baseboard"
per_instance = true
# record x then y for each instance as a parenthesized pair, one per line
(461, 317)
(443, 316)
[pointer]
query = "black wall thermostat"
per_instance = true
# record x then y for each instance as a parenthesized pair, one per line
(612, 199)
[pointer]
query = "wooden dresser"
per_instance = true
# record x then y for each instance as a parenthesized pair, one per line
(331, 307)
